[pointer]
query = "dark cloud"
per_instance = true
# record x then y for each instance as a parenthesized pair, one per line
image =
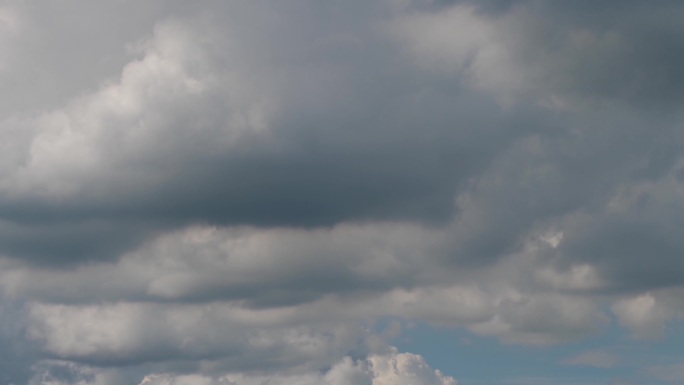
(17, 354)
(355, 137)
(223, 187)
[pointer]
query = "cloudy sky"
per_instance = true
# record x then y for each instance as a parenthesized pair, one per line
(301, 192)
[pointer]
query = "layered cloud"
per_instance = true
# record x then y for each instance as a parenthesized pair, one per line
(236, 193)
(391, 368)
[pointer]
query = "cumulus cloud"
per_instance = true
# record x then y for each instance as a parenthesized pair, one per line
(388, 369)
(235, 192)
(276, 278)
(206, 126)
(643, 315)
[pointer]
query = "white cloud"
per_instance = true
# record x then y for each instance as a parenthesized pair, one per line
(120, 126)
(392, 368)
(643, 315)
(406, 369)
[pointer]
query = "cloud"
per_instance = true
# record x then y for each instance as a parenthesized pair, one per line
(563, 56)
(232, 338)
(595, 358)
(542, 320)
(380, 369)
(347, 274)
(672, 373)
(201, 128)
(232, 192)
(643, 315)
(393, 368)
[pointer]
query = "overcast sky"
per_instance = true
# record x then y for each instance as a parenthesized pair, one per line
(301, 192)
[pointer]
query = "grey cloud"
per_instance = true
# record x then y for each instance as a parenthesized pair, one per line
(511, 167)
(63, 49)
(672, 373)
(262, 267)
(241, 144)
(543, 320)
(18, 353)
(633, 240)
(575, 53)
(595, 358)
(390, 368)
(219, 335)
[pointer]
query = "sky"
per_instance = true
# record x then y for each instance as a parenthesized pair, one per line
(301, 192)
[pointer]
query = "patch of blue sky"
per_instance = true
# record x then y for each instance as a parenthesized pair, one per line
(478, 360)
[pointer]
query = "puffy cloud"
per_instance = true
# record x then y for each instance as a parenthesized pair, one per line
(406, 369)
(245, 188)
(203, 127)
(388, 369)
(643, 315)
